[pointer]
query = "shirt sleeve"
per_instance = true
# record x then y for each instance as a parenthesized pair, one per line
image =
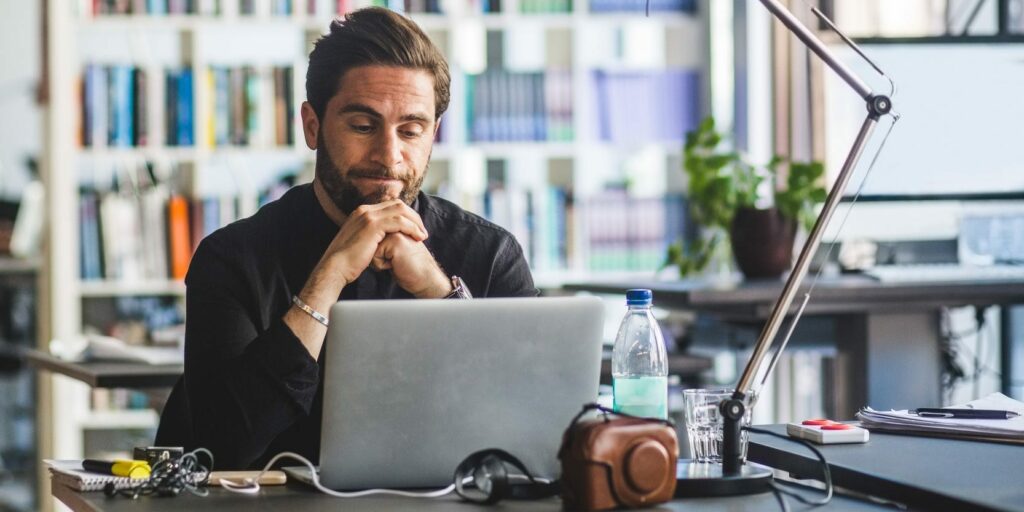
(510, 274)
(245, 383)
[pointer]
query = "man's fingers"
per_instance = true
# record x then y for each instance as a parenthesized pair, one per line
(397, 207)
(400, 224)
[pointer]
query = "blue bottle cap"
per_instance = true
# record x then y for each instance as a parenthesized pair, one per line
(638, 297)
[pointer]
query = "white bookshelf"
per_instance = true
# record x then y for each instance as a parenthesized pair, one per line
(121, 419)
(157, 42)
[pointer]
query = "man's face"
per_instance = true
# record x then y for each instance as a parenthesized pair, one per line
(374, 141)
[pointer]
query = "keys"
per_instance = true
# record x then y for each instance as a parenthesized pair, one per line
(824, 431)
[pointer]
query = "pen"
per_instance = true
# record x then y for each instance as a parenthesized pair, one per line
(967, 414)
(129, 468)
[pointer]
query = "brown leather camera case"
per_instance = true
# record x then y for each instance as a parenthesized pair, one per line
(612, 462)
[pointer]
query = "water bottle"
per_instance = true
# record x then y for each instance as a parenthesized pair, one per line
(639, 361)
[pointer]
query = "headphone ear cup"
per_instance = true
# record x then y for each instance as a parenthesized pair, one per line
(491, 477)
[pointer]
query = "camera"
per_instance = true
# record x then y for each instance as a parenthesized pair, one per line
(616, 460)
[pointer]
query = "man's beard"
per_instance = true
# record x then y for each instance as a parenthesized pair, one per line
(343, 192)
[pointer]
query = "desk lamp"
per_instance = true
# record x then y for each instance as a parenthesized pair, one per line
(733, 477)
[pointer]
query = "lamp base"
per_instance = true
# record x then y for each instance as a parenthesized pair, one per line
(705, 479)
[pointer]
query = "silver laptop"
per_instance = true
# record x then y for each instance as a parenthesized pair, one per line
(411, 387)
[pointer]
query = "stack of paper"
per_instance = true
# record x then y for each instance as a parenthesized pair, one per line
(1011, 430)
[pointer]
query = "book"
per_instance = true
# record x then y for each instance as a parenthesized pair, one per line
(71, 474)
(179, 240)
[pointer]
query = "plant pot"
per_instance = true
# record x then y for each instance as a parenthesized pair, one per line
(762, 242)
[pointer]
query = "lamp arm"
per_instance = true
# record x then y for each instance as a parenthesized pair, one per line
(734, 409)
(815, 45)
(803, 261)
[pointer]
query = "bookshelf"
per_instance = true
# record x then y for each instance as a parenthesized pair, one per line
(557, 151)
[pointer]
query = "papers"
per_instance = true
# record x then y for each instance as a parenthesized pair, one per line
(907, 422)
(93, 347)
(71, 474)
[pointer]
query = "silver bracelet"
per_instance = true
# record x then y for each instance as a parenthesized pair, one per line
(312, 312)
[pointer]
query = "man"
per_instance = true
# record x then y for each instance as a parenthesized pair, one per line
(259, 290)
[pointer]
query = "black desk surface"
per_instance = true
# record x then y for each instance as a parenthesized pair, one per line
(102, 374)
(99, 374)
(299, 497)
(924, 472)
(844, 294)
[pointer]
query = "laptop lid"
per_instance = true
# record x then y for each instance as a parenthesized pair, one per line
(411, 387)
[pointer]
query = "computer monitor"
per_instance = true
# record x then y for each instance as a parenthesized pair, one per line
(962, 107)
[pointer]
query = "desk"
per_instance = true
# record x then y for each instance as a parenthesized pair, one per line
(109, 374)
(886, 333)
(923, 472)
(299, 497)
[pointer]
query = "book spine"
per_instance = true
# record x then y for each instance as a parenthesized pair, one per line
(185, 126)
(179, 239)
(140, 121)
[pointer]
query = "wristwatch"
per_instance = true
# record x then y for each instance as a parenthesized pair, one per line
(459, 289)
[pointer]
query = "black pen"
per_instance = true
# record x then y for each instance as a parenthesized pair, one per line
(967, 414)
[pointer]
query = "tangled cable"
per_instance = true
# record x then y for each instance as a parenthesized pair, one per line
(169, 477)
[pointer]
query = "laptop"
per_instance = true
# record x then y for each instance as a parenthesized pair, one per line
(411, 387)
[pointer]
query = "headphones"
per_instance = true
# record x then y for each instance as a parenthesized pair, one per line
(484, 478)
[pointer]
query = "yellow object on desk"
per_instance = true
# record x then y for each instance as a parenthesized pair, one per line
(134, 469)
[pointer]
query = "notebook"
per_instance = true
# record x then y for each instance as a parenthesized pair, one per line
(71, 474)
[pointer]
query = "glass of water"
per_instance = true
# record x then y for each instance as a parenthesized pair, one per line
(705, 424)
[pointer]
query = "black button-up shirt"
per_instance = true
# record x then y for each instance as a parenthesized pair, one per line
(252, 388)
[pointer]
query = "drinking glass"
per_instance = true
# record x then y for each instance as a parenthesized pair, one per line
(705, 424)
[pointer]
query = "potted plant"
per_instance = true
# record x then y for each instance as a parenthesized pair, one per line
(726, 196)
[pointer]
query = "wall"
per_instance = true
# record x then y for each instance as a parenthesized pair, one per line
(20, 116)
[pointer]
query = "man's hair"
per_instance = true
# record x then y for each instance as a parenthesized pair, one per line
(373, 36)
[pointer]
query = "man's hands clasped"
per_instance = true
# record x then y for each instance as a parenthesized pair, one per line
(384, 236)
(387, 236)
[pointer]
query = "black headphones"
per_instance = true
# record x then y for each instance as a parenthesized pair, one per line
(484, 478)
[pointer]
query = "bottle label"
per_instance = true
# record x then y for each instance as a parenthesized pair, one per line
(641, 396)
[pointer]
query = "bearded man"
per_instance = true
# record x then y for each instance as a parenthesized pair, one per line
(259, 291)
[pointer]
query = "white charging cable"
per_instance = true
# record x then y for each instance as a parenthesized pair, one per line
(252, 485)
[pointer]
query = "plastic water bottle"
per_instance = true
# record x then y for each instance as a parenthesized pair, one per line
(639, 361)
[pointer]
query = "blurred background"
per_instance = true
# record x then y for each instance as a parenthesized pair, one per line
(130, 129)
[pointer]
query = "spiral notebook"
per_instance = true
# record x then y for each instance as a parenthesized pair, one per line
(71, 474)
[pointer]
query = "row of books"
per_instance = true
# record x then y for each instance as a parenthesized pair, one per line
(620, 232)
(544, 6)
(321, 8)
(151, 236)
(149, 231)
(134, 237)
(508, 106)
(626, 233)
(250, 106)
(645, 106)
(117, 110)
(149, 7)
(277, 8)
(641, 5)
(247, 106)
(118, 400)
